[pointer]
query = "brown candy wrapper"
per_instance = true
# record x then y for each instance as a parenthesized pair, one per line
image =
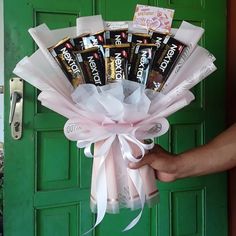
(94, 40)
(141, 65)
(157, 38)
(163, 62)
(92, 64)
(78, 42)
(118, 36)
(134, 39)
(63, 54)
(116, 62)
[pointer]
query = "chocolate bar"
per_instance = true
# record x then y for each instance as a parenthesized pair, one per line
(141, 65)
(94, 40)
(119, 36)
(163, 62)
(63, 54)
(92, 64)
(78, 42)
(157, 38)
(116, 62)
(137, 38)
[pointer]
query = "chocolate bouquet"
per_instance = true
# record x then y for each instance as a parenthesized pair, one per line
(116, 83)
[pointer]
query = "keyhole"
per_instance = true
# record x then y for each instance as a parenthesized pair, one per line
(17, 126)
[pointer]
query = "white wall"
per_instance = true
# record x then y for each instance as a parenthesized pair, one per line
(1, 69)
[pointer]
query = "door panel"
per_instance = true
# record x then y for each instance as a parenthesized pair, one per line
(187, 212)
(51, 177)
(57, 171)
(118, 10)
(58, 221)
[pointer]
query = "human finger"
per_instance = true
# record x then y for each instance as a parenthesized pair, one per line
(146, 160)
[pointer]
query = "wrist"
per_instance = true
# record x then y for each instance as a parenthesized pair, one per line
(179, 167)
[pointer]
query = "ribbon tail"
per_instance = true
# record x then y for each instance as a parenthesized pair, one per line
(101, 193)
(133, 222)
(101, 182)
(138, 183)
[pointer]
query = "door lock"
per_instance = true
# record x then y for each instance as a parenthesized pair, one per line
(1, 89)
(16, 107)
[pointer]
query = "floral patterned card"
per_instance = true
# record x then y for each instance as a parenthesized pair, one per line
(153, 18)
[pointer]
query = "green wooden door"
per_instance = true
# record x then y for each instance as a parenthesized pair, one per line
(47, 180)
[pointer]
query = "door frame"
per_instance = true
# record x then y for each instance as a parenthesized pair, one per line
(7, 115)
(231, 103)
(1, 71)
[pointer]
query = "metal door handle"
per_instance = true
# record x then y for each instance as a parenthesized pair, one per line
(16, 97)
(16, 107)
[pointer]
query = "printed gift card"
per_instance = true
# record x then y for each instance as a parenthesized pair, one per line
(153, 18)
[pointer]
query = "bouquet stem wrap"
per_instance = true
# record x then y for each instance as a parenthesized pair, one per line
(125, 187)
(114, 185)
